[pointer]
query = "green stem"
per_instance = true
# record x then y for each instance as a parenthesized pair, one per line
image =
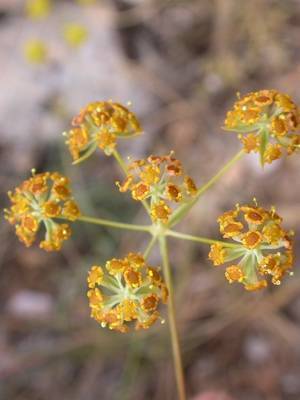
(114, 224)
(149, 247)
(183, 210)
(124, 168)
(172, 321)
(120, 161)
(199, 239)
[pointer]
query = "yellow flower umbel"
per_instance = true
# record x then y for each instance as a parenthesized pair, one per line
(162, 180)
(75, 34)
(37, 9)
(127, 290)
(100, 124)
(267, 122)
(263, 248)
(42, 199)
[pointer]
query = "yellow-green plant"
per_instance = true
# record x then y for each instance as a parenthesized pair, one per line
(127, 291)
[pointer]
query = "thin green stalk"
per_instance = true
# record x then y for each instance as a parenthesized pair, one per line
(183, 210)
(114, 224)
(120, 161)
(172, 320)
(199, 239)
(124, 168)
(149, 247)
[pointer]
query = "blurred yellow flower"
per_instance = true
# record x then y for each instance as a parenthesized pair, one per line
(35, 51)
(75, 34)
(37, 9)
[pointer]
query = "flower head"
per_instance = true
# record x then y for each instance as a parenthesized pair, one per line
(100, 124)
(263, 248)
(267, 122)
(162, 181)
(40, 200)
(126, 290)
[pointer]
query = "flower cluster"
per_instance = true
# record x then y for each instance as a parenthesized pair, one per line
(263, 247)
(266, 122)
(160, 179)
(130, 291)
(39, 200)
(100, 124)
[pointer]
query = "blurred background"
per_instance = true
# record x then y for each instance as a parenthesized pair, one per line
(180, 63)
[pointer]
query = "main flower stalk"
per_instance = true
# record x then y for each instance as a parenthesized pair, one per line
(172, 320)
